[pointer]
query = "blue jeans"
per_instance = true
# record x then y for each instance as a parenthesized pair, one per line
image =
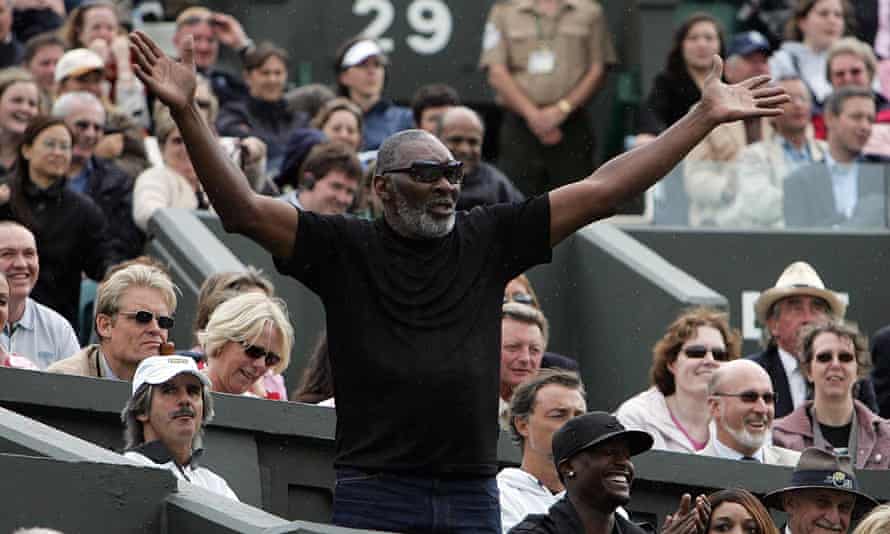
(404, 503)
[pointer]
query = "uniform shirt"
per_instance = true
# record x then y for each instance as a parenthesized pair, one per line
(577, 37)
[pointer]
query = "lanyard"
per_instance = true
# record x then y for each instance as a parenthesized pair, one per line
(540, 28)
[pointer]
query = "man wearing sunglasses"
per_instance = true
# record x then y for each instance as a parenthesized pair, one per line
(742, 404)
(134, 315)
(98, 178)
(426, 284)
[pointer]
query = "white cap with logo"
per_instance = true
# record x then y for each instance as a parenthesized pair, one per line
(159, 369)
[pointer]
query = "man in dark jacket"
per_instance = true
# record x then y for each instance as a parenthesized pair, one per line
(100, 179)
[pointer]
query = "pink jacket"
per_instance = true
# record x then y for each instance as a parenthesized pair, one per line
(795, 432)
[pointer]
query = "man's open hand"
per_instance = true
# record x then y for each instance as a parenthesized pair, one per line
(173, 82)
(750, 98)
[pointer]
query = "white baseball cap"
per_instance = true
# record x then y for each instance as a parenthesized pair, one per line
(159, 369)
(76, 62)
(361, 51)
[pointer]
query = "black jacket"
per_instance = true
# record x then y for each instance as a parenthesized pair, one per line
(563, 519)
(272, 122)
(112, 190)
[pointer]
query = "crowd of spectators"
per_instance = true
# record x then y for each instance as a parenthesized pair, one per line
(94, 141)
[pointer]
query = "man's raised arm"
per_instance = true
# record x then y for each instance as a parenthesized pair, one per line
(578, 204)
(268, 221)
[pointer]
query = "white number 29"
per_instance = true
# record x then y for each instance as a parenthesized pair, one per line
(430, 19)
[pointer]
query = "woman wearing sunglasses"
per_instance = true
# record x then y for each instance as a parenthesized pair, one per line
(245, 337)
(834, 356)
(675, 409)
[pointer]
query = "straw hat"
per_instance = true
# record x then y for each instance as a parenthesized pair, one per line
(799, 278)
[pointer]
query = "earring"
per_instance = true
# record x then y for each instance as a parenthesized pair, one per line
(570, 474)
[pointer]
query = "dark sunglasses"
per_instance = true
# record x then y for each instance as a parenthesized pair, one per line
(428, 172)
(256, 352)
(522, 298)
(697, 352)
(843, 357)
(145, 317)
(750, 397)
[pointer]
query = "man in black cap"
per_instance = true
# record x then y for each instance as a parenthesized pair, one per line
(823, 495)
(592, 456)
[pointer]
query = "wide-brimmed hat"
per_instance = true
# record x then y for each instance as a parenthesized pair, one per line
(592, 429)
(820, 469)
(799, 278)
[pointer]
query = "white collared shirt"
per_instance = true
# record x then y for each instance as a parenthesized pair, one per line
(731, 454)
(106, 369)
(796, 381)
(844, 184)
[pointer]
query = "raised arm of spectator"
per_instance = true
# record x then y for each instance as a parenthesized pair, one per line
(578, 204)
(267, 220)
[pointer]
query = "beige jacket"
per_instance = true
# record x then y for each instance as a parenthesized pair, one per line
(772, 454)
(84, 362)
(160, 187)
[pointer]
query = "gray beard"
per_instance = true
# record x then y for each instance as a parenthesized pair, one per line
(745, 438)
(417, 221)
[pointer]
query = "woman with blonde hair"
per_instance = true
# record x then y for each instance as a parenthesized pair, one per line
(876, 522)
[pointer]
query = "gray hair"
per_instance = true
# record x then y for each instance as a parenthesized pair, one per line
(112, 289)
(140, 404)
(388, 156)
(528, 315)
(526, 394)
(67, 103)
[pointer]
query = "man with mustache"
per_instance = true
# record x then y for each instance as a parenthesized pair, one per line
(426, 284)
(742, 403)
(165, 417)
(134, 315)
(823, 496)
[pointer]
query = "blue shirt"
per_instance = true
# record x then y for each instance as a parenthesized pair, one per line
(382, 120)
(796, 156)
(79, 183)
(844, 185)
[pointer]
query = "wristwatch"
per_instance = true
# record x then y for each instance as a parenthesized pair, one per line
(564, 106)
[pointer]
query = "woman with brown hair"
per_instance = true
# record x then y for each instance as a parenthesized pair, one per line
(675, 409)
(737, 510)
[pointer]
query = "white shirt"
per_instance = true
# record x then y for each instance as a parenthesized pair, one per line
(522, 494)
(796, 381)
(727, 452)
(844, 184)
(154, 454)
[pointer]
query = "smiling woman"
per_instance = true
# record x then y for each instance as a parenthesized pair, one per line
(245, 337)
(19, 98)
(737, 511)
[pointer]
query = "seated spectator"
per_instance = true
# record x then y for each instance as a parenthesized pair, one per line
(329, 180)
(737, 510)
(429, 103)
(133, 317)
(708, 175)
(100, 179)
(317, 383)
(852, 62)
(264, 112)
(524, 335)
(7, 359)
(844, 191)
(361, 76)
(877, 522)
(823, 494)
(11, 50)
(742, 405)
(95, 26)
(678, 86)
(340, 120)
(81, 69)
(222, 286)
(674, 410)
(42, 53)
(245, 337)
(165, 417)
(591, 451)
(19, 100)
(308, 99)
(298, 146)
(538, 409)
(31, 329)
(814, 27)
(173, 185)
(208, 29)
(761, 168)
(834, 356)
(462, 131)
(33, 17)
(70, 229)
(880, 374)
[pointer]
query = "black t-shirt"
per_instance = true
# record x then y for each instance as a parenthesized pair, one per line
(414, 332)
(838, 436)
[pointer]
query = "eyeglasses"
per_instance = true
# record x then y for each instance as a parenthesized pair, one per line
(698, 352)
(750, 397)
(522, 298)
(428, 172)
(145, 317)
(256, 352)
(843, 357)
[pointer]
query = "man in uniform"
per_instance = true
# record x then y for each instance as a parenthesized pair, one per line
(545, 60)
